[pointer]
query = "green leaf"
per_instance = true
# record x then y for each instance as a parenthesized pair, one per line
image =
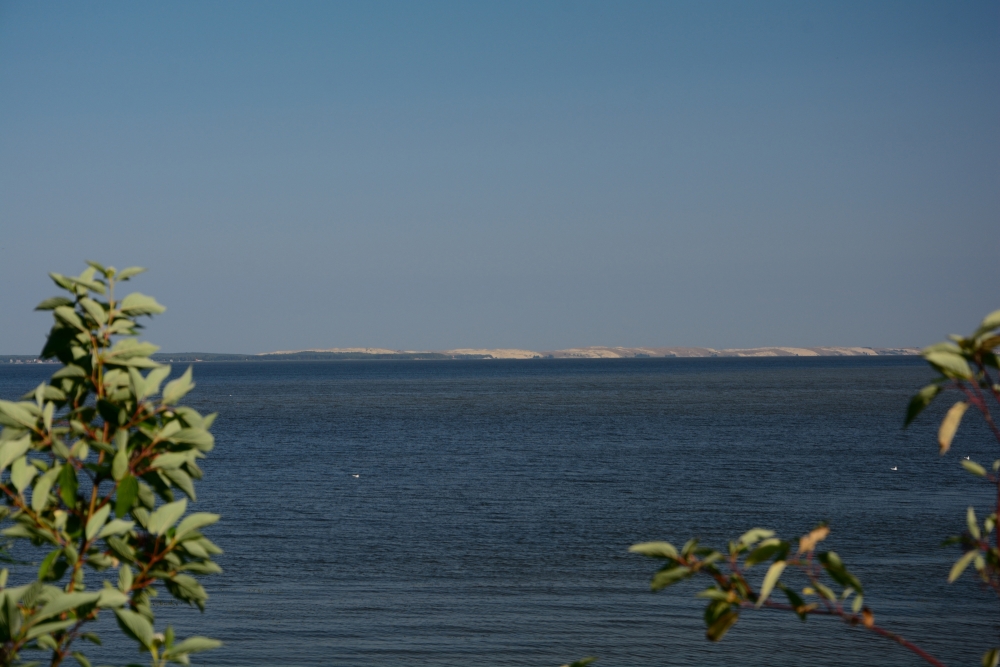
(825, 592)
(53, 302)
(130, 348)
(991, 657)
(177, 389)
(200, 567)
(68, 485)
(974, 468)
(64, 602)
(859, 602)
(16, 415)
(920, 401)
(40, 494)
(181, 480)
(46, 566)
(68, 317)
(654, 549)
(111, 598)
(755, 535)
(711, 558)
(146, 496)
(713, 594)
(86, 280)
(185, 587)
(81, 658)
(770, 579)
(135, 626)
(122, 326)
(125, 578)
(137, 382)
(950, 424)
(721, 626)
(128, 490)
(130, 272)
(959, 567)
(11, 614)
(195, 548)
(165, 517)
(153, 380)
(194, 522)
(140, 304)
(69, 371)
(198, 437)
(47, 414)
(970, 520)
(13, 449)
(195, 645)
(170, 460)
(115, 527)
(795, 600)
(47, 628)
(990, 322)
(668, 577)
(19, 530)
(94, 309)
(765, 551)
(96, 521)
(21, 474)
(950, 364)
(119, 465)
(31, 593)
(832, 563)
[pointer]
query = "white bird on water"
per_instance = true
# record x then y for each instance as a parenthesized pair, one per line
(355, 475)
(893, 468)
(966, 458)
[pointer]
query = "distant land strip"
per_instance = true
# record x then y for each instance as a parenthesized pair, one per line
(596, 352)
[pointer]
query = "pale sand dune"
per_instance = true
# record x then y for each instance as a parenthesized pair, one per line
(771, 352)
(800, 351)
(342, 350)
(590, 353)
(496, 354)
(605, 352)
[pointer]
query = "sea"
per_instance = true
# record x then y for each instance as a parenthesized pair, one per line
(479, 512)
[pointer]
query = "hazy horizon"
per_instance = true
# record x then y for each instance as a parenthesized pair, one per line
(527, 175)
(831, 350)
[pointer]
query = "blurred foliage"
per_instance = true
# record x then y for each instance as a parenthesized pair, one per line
(810, 582)
(97, 469)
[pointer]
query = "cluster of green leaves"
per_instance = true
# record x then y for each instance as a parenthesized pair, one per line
(96, 468)
(968, 365)
(829, 586)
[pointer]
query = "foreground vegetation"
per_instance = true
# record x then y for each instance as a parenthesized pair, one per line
(813, 582)
(98, 466)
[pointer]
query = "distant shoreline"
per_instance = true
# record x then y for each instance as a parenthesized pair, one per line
(363, 354)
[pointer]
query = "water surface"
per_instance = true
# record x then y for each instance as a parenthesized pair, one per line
(495, 500)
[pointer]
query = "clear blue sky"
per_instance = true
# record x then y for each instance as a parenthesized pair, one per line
(428, 175)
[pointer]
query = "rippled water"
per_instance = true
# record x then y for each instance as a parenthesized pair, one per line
(494, 503)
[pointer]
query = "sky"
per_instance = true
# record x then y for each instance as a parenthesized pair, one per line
(541, 175)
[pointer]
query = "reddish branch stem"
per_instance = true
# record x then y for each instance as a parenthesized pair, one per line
(855, 619)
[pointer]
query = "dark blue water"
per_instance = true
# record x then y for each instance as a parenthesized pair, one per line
(496, 500)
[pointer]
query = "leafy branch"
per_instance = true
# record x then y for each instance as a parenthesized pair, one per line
(828, 590)
(966, 365)
(100, 441)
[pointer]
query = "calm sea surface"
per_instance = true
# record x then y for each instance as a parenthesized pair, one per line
(495, 502)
